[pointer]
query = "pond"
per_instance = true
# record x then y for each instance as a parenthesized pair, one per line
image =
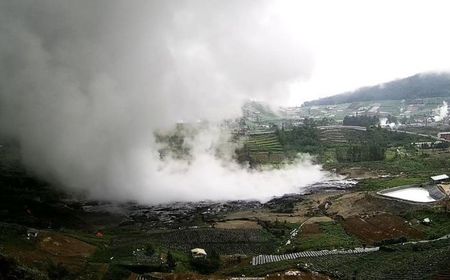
(412, 194)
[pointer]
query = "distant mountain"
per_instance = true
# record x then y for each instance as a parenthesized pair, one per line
(417, 86)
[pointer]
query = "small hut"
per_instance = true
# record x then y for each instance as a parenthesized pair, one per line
(198, 253)
(439, 178)
(32, 233)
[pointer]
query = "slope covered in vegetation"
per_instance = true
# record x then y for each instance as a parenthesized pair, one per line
(417, 86)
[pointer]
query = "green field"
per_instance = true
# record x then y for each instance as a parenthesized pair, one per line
(263, 143)
(331, 236)
(421, 261)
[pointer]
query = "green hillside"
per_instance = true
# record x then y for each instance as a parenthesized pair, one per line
(417, 86)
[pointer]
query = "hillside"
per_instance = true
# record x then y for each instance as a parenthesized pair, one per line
(417, 86)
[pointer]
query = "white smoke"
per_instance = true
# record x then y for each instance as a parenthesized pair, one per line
(441, 111)
(384, 122)
(85, 84)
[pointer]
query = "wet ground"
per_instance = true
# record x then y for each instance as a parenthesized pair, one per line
(190, 214)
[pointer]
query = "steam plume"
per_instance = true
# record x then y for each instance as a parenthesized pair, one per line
(442, 112)
(384, 122)
(84, 85)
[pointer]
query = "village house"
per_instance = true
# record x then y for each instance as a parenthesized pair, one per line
(439, 178)
(198, 253)
(32, 233)
(444, 135)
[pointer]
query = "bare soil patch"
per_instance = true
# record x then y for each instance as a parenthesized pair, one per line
(238, 224)
(360, 203)
(318, 219)
(61, 245)
(380, 227)
(310, 229)
(358, 173)
(445, 188)
(53, 247)
(266, 215)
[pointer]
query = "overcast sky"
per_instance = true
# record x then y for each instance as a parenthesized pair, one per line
(359, 43)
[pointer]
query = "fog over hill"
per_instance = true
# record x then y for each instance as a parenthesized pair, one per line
(422, 85)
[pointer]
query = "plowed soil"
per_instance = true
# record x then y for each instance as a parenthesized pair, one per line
(380, 227)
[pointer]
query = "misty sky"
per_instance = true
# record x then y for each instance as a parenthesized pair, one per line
(360, 43)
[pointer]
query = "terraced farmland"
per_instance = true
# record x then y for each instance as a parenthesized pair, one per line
(263, 143)
(223, 241)
(264, 148)
(340, 135)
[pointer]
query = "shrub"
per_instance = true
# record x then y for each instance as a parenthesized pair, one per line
(206, 265)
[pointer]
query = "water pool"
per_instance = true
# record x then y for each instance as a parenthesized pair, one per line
(413, 194)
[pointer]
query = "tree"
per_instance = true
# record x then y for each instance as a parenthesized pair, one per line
(149, 250)
(57, 271)
(171, 263)
(361, 120)
(304, 138)
(206, 265)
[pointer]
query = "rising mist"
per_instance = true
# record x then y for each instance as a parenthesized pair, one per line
(85, 84)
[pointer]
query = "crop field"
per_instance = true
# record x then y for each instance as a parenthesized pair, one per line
(264, 148)
(329, 235)
(439, 226)
(338, 135)
(263, 142)
(222, 241)
(238, 224)
(397, 262)
(412, 261)
(128, 247)
(46, 249)
(415, 167)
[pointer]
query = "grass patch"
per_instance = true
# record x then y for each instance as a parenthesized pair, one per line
(332, 236)
(117, 272)
(89, 238)
(106, 255)
(385, 183)
(439, 226)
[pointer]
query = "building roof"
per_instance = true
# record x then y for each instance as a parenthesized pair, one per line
(439, 177)
(198, 251)
(443, 134)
